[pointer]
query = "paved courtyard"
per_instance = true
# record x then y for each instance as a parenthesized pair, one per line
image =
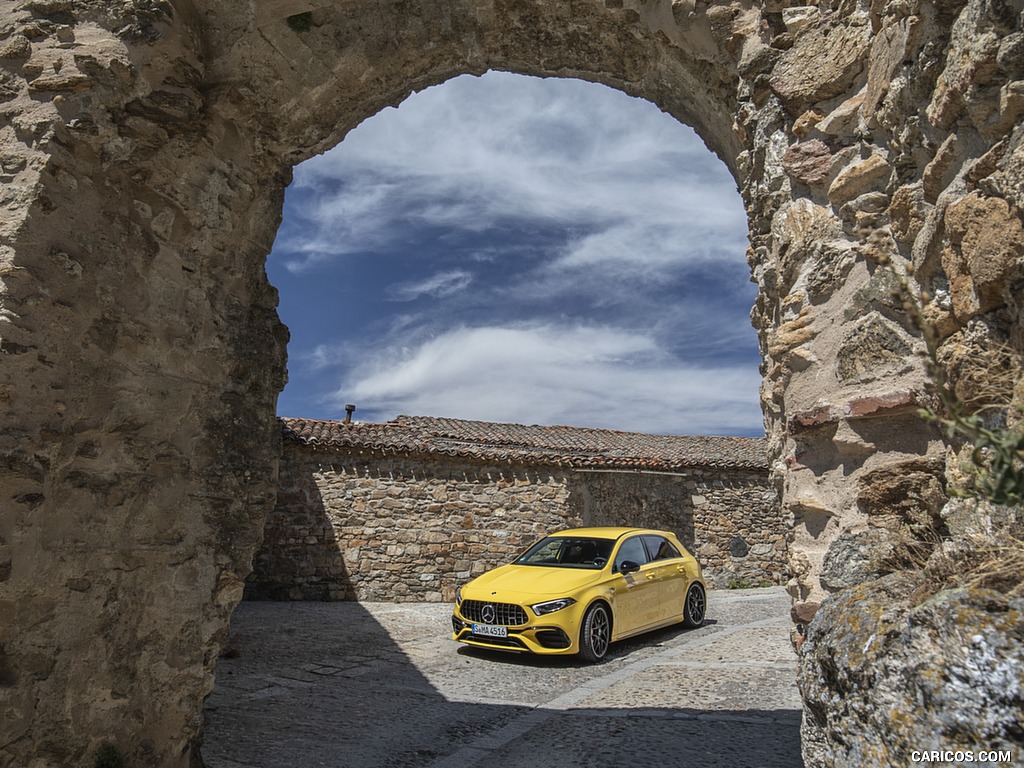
(351, 685)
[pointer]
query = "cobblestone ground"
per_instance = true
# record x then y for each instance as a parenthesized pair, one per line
(350, 685)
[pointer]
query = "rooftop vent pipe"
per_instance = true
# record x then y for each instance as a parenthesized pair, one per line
(349, 409)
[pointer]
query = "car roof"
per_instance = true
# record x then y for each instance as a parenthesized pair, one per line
(607, 532)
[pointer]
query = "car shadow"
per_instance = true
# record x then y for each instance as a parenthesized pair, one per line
(620, 649)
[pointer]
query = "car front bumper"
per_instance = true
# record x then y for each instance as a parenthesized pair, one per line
(542, 636)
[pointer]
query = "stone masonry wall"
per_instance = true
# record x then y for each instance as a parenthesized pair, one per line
(730, 519)
(393, 528)
(144, 149)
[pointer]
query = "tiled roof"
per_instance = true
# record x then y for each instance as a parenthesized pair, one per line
(563, 446)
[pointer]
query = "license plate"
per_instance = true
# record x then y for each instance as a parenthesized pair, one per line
(490, 630)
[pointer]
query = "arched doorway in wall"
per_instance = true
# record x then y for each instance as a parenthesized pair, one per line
(514, 249)
(183, 213)
(566, 255)
(146, 356)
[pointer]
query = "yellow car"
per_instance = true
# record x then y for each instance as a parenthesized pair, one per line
(577, 591)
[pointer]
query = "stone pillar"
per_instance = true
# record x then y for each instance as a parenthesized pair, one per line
(884, 160)
(140, 358)
(880, 139)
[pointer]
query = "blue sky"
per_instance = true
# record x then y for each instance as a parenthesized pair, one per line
(512, 249)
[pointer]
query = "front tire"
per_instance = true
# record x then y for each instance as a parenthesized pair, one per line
(695, 606)
(595, 634)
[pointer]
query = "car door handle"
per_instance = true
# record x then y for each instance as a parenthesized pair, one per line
(650, 575)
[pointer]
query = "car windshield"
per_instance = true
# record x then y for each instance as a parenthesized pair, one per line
(568, 552)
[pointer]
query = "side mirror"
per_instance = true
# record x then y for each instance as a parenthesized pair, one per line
(628, 566)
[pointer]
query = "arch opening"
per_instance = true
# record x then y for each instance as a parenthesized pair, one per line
(506, 248)
(548, 247)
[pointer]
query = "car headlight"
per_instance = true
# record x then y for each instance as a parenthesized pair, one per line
(551, 606)
(458, 596)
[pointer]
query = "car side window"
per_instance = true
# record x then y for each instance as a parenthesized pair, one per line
(631, 549)
(660, 548)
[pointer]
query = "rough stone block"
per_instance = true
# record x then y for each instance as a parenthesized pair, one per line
(854, 180)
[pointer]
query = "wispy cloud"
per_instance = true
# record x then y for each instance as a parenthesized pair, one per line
(438, 285)
(552, 374)
(568, 154)
(564, 254)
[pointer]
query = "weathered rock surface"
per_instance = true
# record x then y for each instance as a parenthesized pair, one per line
(985, 256)
(144, 149)
(885, 674)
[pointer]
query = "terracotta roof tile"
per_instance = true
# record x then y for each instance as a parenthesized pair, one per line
(579, 447)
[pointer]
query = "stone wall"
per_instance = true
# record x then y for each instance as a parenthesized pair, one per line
(730, 519)
(144, 150)
(368, 527)
(393, 528)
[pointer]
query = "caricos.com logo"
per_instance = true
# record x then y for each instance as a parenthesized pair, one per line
(960, 756)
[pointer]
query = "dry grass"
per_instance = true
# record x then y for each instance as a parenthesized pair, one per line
(998, 565)
(993, 561)
(916, 549)
(986, 378)
(981, 391)
(979, 562)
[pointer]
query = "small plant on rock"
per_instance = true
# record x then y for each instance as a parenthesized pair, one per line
(988, 425)
(740, 583)
(997, 455)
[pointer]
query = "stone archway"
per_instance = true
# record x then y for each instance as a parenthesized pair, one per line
(145, 147)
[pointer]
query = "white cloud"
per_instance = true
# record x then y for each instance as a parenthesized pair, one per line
(636, 224)
(570, 153)
(438, 285)
(552, 374)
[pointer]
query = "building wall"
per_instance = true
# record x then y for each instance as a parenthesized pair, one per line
(367, 527)
(730, 519)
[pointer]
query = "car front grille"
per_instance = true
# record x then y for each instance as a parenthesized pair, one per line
(504, 613)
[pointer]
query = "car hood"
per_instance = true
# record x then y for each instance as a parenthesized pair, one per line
(508, 581)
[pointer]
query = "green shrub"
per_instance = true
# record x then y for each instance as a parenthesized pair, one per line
(738, 583)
